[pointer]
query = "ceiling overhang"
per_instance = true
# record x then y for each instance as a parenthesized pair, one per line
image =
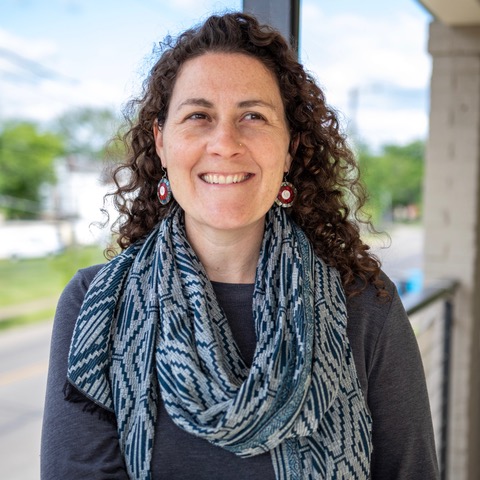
(454, 12)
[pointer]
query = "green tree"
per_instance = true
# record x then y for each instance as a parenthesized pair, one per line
(393, 177)
(26, 162)
(87, 131)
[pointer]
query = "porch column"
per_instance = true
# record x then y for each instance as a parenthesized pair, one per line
(452, 202)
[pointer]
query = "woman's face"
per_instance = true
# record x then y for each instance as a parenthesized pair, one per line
(225, 141)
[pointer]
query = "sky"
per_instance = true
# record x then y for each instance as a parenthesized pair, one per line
(369, 56)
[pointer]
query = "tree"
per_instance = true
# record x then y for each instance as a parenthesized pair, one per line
(26, 162)
(393, 178)
(87, 131)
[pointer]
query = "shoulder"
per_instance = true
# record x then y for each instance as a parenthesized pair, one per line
(66, 315)
(86, 275)
(372, 322)
(78, 285)
(80, 282)
(71, 300)
(368, 311)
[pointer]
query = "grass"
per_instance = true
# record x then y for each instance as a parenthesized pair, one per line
(29, 280)
(27, 319)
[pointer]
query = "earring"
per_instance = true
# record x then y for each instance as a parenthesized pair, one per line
(164, 191)
(286, 194)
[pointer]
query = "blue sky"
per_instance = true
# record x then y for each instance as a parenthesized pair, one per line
(94, 52)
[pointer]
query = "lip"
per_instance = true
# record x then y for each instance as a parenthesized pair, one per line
(225, 178)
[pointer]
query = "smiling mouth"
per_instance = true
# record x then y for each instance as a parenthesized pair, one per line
(217, 179)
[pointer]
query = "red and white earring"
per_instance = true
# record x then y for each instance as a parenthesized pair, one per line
(164, 191)
(286, 194)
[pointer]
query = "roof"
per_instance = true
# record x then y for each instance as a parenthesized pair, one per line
(454, 12)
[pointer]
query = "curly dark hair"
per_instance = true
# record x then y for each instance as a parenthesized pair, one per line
(324, 170)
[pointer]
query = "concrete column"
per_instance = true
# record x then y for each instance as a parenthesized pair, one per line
(452, 221)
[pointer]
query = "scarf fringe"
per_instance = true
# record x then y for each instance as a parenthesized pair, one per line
(73, 395)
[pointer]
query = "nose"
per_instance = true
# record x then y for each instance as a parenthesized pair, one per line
(225, 140)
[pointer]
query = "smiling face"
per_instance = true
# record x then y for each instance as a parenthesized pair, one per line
(225, 141)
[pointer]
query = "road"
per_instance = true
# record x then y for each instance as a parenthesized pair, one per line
(23, 372)
(401, 254)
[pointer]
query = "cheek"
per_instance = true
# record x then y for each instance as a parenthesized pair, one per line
(174, 176)
(165, 156)
(179, 169)
(171, 158)
(166, 147)
(274, 182)
(180, 155)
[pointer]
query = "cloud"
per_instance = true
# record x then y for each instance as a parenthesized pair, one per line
(357, 50)
(49, 98)
(34, 86)
(37, 50)
(379, 126)
(382, 59)
(22, 59)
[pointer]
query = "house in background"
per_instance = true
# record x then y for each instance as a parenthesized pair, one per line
(70, 214)
(75, 201)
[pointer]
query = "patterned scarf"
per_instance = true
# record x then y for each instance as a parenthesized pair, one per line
(150, 323)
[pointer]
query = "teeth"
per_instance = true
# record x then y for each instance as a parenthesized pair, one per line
(224, 179)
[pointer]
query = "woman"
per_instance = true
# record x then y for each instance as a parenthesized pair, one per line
(245, 331)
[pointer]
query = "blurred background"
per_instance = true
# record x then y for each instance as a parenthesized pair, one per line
(67, 68)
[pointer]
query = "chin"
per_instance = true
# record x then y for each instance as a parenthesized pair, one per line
(227, 221)
(227, 214)
(230, 224)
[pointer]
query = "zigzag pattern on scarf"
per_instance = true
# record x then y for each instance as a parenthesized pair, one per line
(151, 321)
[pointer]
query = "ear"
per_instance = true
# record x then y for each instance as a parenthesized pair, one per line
(158, 135)
(292, 149)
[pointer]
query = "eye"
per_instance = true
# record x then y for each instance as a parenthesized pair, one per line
(197, 116)
(254, 116)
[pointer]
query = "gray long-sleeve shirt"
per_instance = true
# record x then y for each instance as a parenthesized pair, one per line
(79, 445)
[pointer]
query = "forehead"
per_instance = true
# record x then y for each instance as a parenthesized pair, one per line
(226, 74)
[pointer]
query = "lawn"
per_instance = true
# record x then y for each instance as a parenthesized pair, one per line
(41, 280)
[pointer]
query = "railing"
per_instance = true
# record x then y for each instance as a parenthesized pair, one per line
(430, 312)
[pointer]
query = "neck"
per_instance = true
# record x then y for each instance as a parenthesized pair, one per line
(227, 256)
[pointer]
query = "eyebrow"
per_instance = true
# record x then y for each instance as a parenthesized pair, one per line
(199, 102)
(256, 103)
(202, 102)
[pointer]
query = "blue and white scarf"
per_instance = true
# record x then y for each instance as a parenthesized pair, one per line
(150, 322)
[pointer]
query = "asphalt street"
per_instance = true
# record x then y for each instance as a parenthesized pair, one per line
(401, 252)
(23, 372)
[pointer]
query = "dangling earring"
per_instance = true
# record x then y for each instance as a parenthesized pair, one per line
(286, 194)
(164, 192)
